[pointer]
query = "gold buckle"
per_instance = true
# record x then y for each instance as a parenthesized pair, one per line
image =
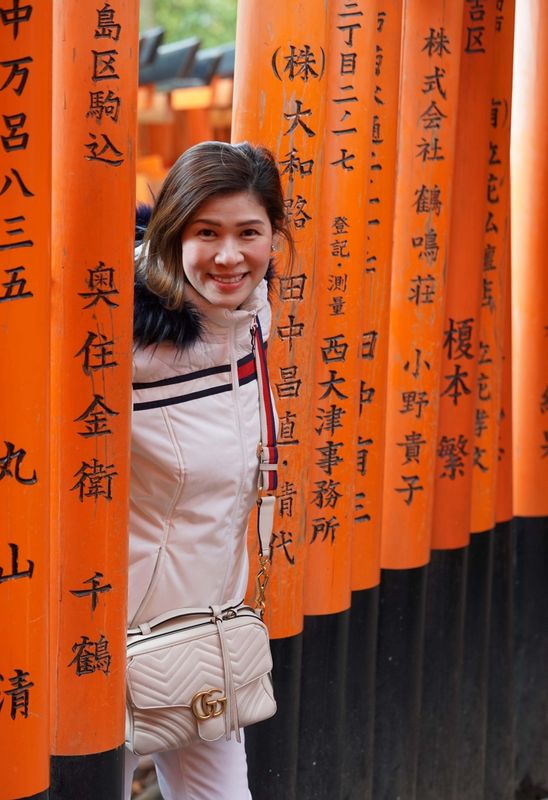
(206, 706)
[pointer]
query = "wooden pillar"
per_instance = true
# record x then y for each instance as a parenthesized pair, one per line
(529, 159)
(494, 266)
(279, 83)
(336, 508)
(490, 546)
(95, 94)
(384, 20)
(441, 751)
(287, 75)
(25, 209)
(427, 118)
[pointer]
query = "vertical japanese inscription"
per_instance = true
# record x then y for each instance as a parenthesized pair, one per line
(95, 354)
(299, 65)
(488, 390)
(21, 244)
(104, 100)
(423, 288)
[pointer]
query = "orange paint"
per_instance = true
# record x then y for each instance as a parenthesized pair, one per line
(93, 223)
(426, 150)
(381, 132)
(334, 490)
(495, 264)
(529, 274)
(280, 63)
(461, 335)
(504, 509)
(25, 207)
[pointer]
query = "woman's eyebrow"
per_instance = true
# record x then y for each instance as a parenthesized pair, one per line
(217, 223)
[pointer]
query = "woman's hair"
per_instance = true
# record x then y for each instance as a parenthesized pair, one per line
(208, 169)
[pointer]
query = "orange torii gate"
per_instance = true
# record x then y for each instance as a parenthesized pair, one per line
(407, 360)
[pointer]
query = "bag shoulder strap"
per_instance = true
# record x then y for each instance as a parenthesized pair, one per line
(267, 452)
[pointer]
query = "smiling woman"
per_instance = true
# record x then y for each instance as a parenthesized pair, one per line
(200, 308)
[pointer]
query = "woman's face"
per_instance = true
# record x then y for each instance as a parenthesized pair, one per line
(226, 248)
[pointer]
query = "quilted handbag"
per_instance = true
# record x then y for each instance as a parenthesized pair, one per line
(197, 674)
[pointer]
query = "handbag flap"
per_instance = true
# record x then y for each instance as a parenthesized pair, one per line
(170, 670)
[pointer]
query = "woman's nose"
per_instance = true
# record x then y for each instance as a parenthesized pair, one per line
(228, 253)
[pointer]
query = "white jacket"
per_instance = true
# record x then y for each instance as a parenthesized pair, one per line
(194, 468)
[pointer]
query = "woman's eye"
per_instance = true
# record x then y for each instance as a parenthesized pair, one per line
(250, 232)
(206, 233)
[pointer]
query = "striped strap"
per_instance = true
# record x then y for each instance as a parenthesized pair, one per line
(267, 450)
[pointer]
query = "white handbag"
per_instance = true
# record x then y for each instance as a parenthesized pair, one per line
(197, 674)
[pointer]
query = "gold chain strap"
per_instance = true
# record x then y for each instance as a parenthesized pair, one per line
(261, 581)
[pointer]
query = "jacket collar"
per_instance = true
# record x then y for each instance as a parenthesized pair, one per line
(153, 323)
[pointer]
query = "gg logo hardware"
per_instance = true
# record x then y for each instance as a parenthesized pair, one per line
(205, 705)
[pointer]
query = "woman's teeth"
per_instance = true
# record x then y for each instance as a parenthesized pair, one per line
(228, 279)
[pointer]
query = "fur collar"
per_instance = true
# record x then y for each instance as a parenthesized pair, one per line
(153, 323)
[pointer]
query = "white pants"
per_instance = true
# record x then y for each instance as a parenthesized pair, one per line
(204, 771)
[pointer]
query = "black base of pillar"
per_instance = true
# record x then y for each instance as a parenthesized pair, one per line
(499, 753)
(273, 745)
(323, 691)
(357, 779)
(442, 672)
(531, 656)
(398, 682)
(472, 729)
(88, 777)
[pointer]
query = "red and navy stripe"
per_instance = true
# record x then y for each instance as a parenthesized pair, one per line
(246, 373)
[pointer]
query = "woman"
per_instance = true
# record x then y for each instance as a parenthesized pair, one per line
(201, 284)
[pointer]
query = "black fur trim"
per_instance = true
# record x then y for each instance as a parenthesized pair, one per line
(153, 323)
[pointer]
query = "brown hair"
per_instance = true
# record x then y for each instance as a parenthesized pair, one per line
(205, 170)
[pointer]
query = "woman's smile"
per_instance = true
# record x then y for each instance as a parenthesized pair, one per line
(229, 279)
